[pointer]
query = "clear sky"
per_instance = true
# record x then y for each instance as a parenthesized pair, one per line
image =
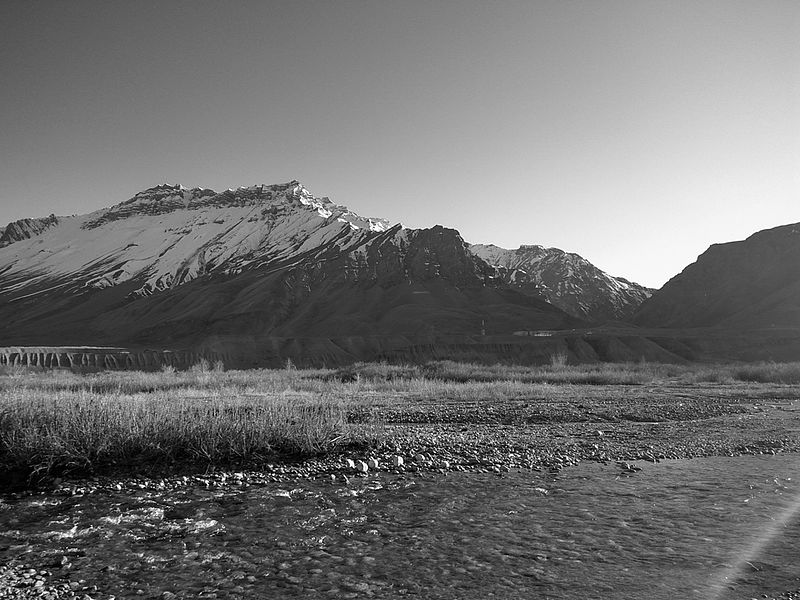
(634, 133)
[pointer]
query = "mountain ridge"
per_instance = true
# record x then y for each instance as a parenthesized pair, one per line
(25, 229)
(260, 273)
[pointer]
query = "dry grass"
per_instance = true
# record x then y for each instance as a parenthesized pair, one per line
(763, 372)
(55, 422)
(558, 372)
(48, 427)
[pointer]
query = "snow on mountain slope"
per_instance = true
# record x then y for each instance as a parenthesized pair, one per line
(566, 280)
(168, 235)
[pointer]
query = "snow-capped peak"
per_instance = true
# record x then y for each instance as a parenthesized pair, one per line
(168, 235)
(327, 209)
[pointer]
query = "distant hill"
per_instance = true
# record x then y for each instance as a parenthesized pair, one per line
(754, 283)
(566, 280)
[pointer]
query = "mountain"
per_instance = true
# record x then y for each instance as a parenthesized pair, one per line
(257, 271)
(566, 280)
(753, 283)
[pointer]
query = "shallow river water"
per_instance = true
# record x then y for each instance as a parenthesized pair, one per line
(709, 528)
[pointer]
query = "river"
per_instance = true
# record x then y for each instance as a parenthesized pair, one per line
(711, 529)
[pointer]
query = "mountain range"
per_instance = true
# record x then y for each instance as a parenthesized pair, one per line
(267, 272)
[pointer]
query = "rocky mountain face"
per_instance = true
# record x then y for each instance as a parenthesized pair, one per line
(255, 272)
(566, 280)
(754, 283)
(25, 229)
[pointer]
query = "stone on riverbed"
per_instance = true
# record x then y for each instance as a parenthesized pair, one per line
(362, 467)
(373, 463)
(397, 461)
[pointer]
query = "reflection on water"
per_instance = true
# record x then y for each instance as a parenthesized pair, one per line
(708, 528)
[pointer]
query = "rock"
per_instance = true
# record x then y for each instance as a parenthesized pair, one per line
(397, 461)
(373, 463)
(420, 458)
(362, 467)
(358, 586)
(350, 463)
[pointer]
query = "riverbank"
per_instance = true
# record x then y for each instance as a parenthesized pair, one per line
(70, 434)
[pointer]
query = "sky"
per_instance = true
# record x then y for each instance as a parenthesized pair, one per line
(635, 133)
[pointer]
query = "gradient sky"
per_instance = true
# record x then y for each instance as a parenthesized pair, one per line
(634, 133)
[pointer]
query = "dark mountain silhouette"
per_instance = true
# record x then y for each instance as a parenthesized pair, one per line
(754, 283)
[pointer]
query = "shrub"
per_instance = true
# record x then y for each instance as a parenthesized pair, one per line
(768, 372)
(46, 433)
(558, 360)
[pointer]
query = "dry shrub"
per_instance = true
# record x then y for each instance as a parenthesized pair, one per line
(770, 372)
(44, 433)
